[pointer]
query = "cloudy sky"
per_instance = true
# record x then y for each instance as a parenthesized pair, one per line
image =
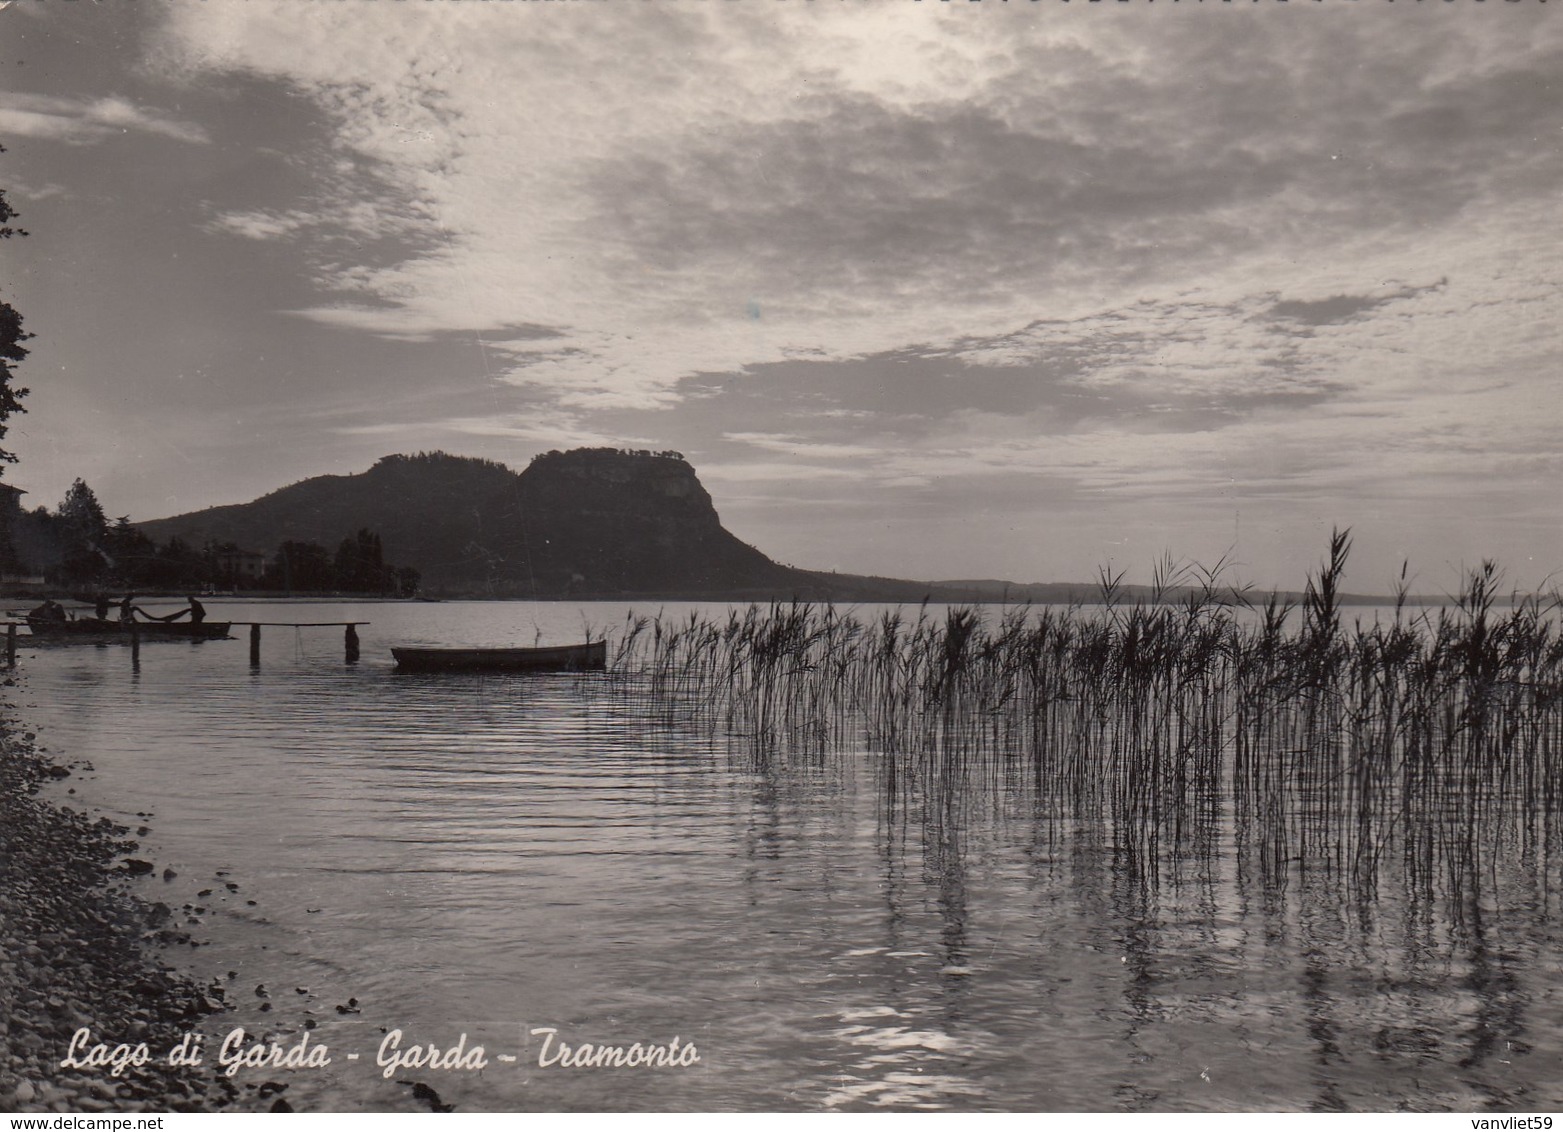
(930, 290)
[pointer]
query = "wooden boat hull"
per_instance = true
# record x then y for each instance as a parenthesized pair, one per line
(561, 658)
(90, 628)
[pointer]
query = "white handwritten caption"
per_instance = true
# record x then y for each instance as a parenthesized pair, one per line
(394, 1054)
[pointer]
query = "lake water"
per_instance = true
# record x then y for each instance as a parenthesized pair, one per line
(493, 855)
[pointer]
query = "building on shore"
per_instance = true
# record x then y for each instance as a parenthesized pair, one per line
(19, 572)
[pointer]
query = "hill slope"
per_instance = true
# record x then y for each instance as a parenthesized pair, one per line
(590, 522)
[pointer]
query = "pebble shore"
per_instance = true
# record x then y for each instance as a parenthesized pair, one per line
(78, 949)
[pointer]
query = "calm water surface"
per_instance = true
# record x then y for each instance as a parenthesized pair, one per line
(489, 855)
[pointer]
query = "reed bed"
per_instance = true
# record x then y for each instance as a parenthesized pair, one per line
(1427, 743)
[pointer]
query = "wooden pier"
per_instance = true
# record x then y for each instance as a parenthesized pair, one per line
(349, 638)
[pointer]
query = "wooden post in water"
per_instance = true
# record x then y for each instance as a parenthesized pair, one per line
(135, 644)
(350, 644)
(10, 644)
(255, 644)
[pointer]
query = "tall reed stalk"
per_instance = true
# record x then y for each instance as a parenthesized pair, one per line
(1429, 745)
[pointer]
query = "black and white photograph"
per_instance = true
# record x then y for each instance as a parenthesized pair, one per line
(802, 556)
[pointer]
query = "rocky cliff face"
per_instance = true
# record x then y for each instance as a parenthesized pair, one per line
(589, 522)
(606, 522)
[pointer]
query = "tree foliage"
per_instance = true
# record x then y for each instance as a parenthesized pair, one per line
(78, 546)
(304, 566)
(82, 514)
(82, 530)
(11, 338)
(360, 565)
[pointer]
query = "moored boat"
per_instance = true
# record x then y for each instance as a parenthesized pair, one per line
(591, 656)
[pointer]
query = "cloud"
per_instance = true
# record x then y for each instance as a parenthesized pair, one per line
(80, 121)
(27, 190)
(855, 183)
(798, 446)
(949, 252)
(545, 429)
(358, 220)
(1341, 308)
(260, 224)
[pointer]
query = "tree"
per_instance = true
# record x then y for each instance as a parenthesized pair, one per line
(301, 566)
(360, 565)
(83, 534)
(82, 514)
(134, 556)
(176, 565)
(11, 338)
(224, 563)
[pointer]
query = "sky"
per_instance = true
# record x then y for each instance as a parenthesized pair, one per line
(926, 290)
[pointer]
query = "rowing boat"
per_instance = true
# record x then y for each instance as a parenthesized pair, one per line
(93, 628)
(559, 658)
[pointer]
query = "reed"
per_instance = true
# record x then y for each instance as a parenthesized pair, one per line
(1428, 746)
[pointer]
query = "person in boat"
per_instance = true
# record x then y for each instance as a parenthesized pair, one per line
(50, 610)
(128, 610)
(197, 611)
(100, 608)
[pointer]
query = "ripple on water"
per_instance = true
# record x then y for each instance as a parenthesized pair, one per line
(489, 855)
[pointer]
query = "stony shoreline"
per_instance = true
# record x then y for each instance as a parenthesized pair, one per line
(78, 950)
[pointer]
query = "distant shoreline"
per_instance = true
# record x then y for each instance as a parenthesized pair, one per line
(938, 595)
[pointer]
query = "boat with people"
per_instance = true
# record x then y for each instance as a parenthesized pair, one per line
(97, 628)
(591, 656)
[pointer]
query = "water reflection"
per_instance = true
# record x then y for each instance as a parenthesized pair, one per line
(1253, 971)
(840, 924)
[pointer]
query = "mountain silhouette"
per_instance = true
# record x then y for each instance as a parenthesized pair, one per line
(591, 522)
